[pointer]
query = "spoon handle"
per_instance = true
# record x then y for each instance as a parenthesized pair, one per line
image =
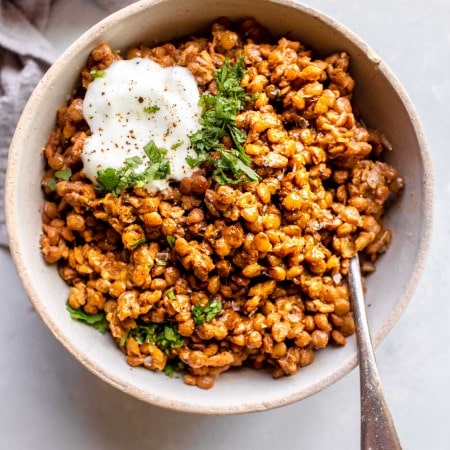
(377, 427)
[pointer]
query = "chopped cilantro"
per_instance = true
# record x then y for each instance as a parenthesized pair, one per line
(137, 243)
(229, 78)
(64, 174)
(234, 162)
(123, 339)
(206, 313)
(171, 240)
(173, 366)
(98, 321)
(169, 338)
(218, 119)
(143, 333)
(169, 370)
(165, 336)
(97, 73)
(171, 293)
(151, 109)
(176, 145)
(51, 184)
(116, 180)
(154, 153)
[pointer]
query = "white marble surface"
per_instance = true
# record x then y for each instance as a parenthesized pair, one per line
(48, 401)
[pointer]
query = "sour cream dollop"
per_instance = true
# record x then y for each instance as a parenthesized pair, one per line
(137, 101)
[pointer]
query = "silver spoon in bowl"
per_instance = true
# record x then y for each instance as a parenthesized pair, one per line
(377, 426)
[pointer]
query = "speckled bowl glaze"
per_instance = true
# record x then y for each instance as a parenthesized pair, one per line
(383, 104)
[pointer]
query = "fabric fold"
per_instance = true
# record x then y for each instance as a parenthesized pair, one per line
(25, 55)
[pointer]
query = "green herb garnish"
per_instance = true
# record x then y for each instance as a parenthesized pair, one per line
(165, 336)
(123, 339)
(174, 366)
(98, 321)
(137, 243)
(171, 293)
(232, 162)
(116, 180)
(169, 338)
(206, 313)
(64, 174)
(154, 153)
(97, 73)
(218, 119)
(151, 109)
(176, 145)
(51, 184)
(170, 240)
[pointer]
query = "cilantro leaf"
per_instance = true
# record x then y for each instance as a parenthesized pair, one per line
(176, 145)
(229, 78)
(154, 153)
(169, 370)
(97, 73)
(137, 243)
(51, 184)
(117, 180)
(218, 120)
(200, 314)
(232, 161)
(98, 321)
(165, 336)
(64, 174)
(171, 293)
(151, 109)
(108, 180)
(143, 333)
(133, 162)
(123, 339)
(175, 365)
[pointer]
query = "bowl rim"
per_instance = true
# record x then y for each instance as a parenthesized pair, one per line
(154, 398)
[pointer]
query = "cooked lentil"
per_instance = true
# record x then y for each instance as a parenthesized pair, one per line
(263, 264)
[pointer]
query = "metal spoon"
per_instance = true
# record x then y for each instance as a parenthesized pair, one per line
(377, 427)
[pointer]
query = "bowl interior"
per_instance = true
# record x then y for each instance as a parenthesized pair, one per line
(383, 105)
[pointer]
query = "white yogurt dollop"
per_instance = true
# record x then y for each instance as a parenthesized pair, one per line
(135, 102)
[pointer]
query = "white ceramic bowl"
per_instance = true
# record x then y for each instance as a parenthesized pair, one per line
(383, 104)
